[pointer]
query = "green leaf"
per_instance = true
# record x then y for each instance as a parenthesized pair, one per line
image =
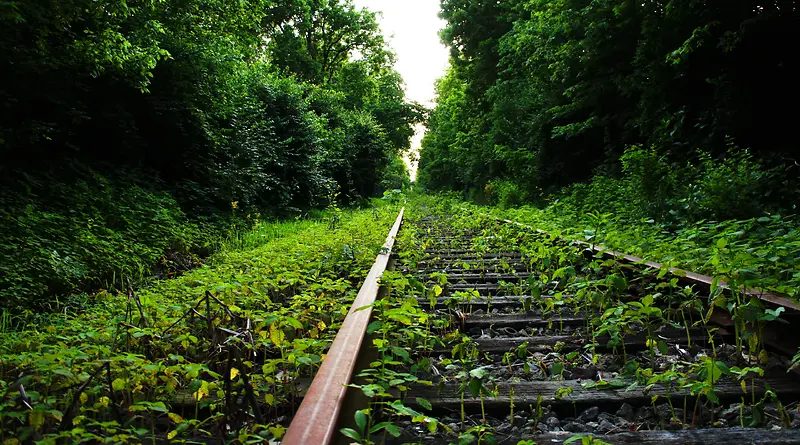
(374, 326)
(466, 439)
(118, 384)
(361, 420)
(351, 433)
(277, 431)
(400, 352)
(388, 426)
(432, 426)
(424, 403)
(478, 373)
(475, 387)
(293, 322)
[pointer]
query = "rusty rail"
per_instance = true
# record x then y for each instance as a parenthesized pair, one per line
(769, 297)
(316, 419)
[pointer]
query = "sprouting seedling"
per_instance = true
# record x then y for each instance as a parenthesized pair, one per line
(795, 362)
(668, 378)
(742, 374)
(508, 359)
(480, 433)
(477, 387)
(365, 430)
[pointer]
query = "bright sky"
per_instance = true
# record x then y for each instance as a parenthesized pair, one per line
(412, 29)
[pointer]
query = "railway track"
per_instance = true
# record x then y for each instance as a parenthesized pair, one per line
(486, 332)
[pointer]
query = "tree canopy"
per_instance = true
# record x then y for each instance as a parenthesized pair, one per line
(274, 104)
(547, 93)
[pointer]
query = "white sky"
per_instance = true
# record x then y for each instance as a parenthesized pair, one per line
(412, 29)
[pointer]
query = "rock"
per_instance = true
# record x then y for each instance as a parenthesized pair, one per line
(605, 426)
(626, 412)
(553, 422)
(663, 411)
(796, 423)
(622, 423)
(542, 428)
(771, 409)
(730, 413)
(644, 413)
(590, 414)
(478, 312)
(591, 425)
(503, 428)
(455, 427)
(585, 373)
(575, 427)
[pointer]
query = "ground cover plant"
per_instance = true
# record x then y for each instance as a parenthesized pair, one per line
(220, 352)
(756, 252)
(595, 325)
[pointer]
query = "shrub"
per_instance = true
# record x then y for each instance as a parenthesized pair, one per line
(67, 236)
(505, 193)
(706, 188)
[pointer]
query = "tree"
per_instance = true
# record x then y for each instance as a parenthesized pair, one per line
(554, 91)
(314, 39)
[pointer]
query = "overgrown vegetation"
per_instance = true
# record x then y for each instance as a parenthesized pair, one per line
(91, 232)
(126, 126)
(638, 125)
(218, 352)
(700, 218)
(620, 329)
(545, 94)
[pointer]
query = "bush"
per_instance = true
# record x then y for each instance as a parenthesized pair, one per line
(707, 188)
(736, 187)
(66, 236)
(504, 193)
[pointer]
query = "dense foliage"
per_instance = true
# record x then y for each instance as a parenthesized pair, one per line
(542, 94)
(144, 366)
(605, 328)
(119, 118)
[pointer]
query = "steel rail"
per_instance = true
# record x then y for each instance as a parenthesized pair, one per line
(316, 419)
(692, 276)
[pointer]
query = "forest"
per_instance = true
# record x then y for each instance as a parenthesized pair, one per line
(687, 103)
(131, 129)
(656, 128)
